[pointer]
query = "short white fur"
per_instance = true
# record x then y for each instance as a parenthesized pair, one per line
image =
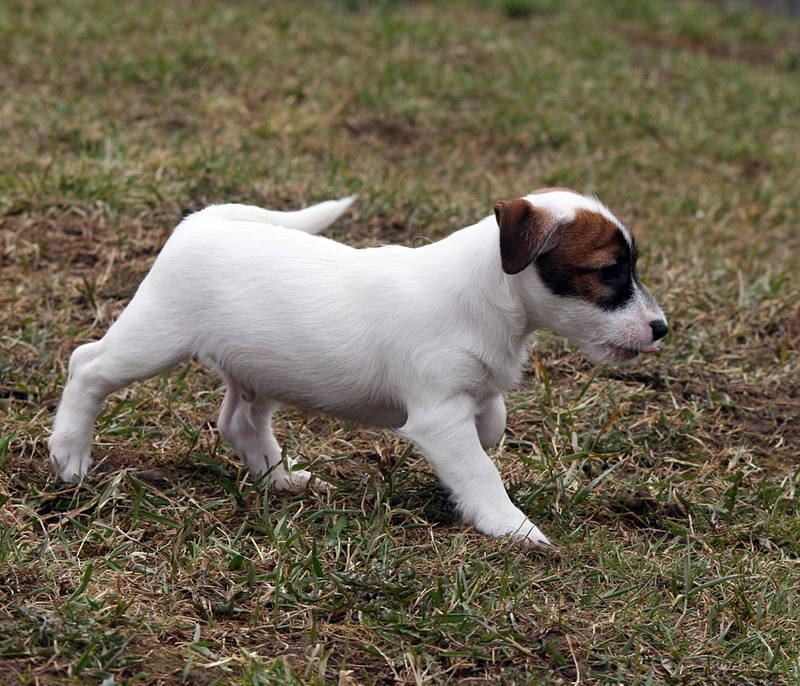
(423, 341)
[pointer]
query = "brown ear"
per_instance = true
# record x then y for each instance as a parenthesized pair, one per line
(525, 232)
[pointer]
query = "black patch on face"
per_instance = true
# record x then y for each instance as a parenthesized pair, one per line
(619, 277)
(597, 266)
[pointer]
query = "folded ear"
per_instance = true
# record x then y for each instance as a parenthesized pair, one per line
(525, 233)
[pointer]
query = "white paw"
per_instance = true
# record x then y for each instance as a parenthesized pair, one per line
(530, 536)
(70, 466)
(514, 524)
(295, 480)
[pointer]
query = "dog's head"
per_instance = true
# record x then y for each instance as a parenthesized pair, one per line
(574, 268)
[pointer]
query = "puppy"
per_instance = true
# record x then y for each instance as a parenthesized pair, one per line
(423, 341)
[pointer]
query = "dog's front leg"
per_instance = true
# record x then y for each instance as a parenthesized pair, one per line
(448, 437)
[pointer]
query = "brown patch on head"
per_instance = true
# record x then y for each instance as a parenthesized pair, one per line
(589, 240)
(524, 233)
(591, 261)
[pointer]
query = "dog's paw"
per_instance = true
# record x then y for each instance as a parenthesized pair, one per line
(295, 480)
(532, 538)
(528, 535)
(517, 526)
(69, 466)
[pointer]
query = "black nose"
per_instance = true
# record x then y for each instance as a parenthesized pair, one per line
(660, 328)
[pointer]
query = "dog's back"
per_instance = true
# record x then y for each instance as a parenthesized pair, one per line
(314, 219)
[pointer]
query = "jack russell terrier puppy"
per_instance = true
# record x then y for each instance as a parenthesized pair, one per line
(423, 341)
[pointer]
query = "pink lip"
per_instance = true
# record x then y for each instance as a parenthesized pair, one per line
(623, 353)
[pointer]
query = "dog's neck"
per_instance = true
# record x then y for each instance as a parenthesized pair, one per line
(471, 276)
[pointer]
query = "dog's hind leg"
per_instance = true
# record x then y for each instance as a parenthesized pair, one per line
(245, 422)
(131, 350)
(490, 421)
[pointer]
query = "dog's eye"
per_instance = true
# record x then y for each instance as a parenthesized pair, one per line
(611, 272)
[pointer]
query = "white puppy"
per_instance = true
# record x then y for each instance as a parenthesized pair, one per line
(423, 341)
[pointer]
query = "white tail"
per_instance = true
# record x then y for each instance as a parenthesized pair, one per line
(312, 219)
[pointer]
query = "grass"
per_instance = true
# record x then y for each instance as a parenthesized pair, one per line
(671, 486)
